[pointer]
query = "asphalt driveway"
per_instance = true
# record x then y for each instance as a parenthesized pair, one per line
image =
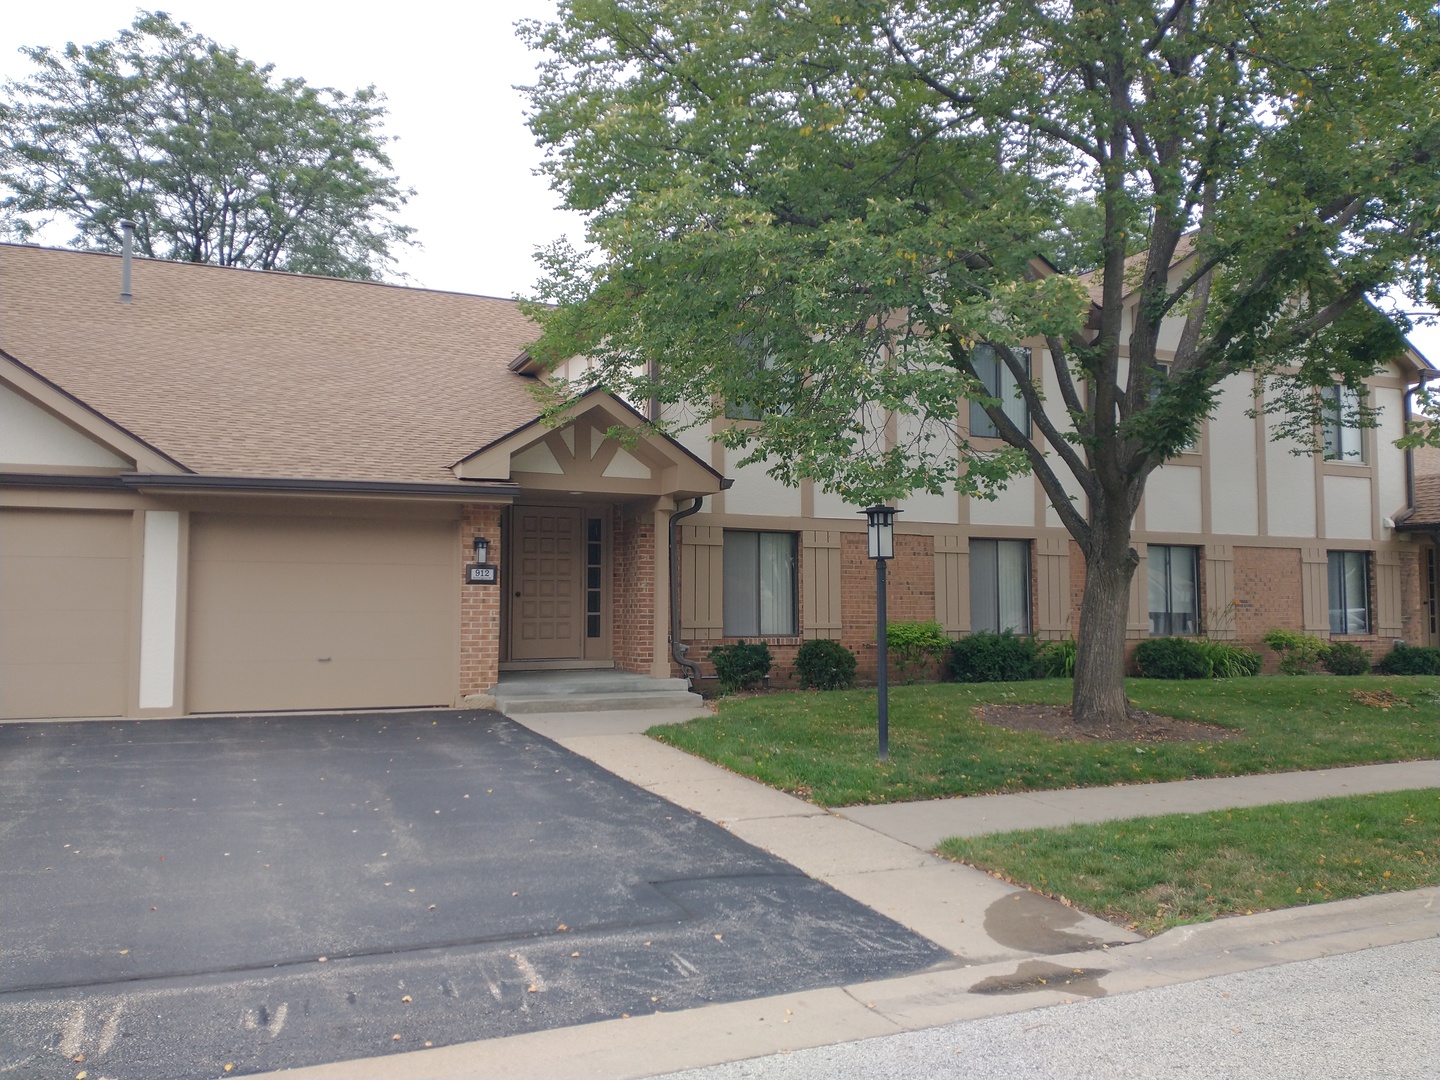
(181, 896)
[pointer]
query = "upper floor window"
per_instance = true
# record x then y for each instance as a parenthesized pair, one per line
(999, 383)
(1349, 592)
(760, 573)
(1340, 411)
(1174, 590)
(763, 360)
(1000, 585)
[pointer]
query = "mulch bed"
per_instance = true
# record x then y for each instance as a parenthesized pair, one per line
(1138, 726)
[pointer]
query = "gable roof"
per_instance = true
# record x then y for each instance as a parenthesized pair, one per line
(247, 373)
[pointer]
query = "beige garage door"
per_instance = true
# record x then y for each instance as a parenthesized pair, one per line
(319, 613)
(64, 612)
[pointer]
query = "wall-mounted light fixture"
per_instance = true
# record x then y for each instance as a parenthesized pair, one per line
(482, 549)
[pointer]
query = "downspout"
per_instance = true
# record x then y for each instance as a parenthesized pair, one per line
(678, 648)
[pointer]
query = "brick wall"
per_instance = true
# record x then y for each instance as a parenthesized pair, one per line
(634, 582)
(479, 604)
(909, 596)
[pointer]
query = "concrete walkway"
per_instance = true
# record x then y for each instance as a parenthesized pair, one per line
(1014, 950)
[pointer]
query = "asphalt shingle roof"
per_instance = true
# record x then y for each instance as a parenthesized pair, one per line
(246, 373)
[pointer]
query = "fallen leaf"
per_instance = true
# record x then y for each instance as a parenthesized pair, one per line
(574, 954)
(562, 926)
(532, 989)
(406, 999)
(719, 937)
(322, 959)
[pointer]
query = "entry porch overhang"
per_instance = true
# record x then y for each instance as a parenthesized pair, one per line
(576, 458)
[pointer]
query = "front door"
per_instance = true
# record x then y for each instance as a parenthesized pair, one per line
(547, 614)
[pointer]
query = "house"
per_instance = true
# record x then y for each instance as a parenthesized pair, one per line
(240, 491)
(248, 491)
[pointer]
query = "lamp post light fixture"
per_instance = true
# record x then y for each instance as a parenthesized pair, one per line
(880, 534)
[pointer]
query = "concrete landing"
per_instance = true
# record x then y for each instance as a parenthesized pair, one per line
(527, 693)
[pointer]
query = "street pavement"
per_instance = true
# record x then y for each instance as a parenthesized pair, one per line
(1362, 1014)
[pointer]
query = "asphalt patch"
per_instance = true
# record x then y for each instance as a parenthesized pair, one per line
(272, 892)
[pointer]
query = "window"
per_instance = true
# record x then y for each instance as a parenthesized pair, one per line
(1000, 585)
(1340, 410)
(1349, 592)
(594, 569)
(999, 383)
(763, 360)
(1174, 592)
(760, 584)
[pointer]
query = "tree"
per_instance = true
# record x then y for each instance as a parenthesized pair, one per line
(839, 211)
(213, 159)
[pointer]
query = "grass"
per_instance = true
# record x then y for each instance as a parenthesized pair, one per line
(1159, 872)
(822, 745)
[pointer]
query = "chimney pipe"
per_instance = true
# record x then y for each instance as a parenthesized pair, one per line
(127, 247)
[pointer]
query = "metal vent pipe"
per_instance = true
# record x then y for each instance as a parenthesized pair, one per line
(127, 254)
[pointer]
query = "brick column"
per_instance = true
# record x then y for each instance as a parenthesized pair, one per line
(634, 590)
(479, 604)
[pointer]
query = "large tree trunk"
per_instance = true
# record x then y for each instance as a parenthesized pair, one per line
(1110, 564)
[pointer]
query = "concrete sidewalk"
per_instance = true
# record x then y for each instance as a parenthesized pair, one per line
(1014, 950)
(925, 824)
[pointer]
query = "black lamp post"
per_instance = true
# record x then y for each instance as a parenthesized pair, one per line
(880, 531)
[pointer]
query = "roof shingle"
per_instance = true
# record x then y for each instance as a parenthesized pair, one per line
(248, 373)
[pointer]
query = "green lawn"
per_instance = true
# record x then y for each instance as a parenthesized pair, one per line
(1158, 872)
(823, 745)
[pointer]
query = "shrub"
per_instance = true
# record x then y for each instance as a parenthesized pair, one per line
(990, 657)
(1173, 658)
(1056, 660)
(915, 645)
(741, 666)
(823, 664)
(1411, 660)
(1231, 661)
(1299, 653)
(1346, 658)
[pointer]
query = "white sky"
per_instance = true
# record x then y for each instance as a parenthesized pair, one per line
(447, 69)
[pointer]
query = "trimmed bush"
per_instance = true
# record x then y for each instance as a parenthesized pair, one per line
(823, 664)
(913, 646)
(990, 657)
(1231, 661)
(741, 666)
(1299, 653)
(1411, 660)
(1346, 658)
(1056, 660)
(1173, 658)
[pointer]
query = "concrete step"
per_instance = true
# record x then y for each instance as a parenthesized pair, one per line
(522, 705)
(532, 692)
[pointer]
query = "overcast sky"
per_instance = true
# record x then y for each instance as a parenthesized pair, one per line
(447, 69)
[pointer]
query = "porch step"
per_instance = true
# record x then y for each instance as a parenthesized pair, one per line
(534, 692)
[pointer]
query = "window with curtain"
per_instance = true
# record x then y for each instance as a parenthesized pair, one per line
(1000, 585)
(999, 383)
(1340, 410)
(760, 573)
(1349, 592)
(1174, 590)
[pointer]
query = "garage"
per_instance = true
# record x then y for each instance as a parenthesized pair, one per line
(321, 613)
(65, 602)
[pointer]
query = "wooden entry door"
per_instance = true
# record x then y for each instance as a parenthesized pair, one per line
(547, 614)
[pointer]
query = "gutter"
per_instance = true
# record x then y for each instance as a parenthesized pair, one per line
(145, 482)
(290, 485)
(678, 649)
